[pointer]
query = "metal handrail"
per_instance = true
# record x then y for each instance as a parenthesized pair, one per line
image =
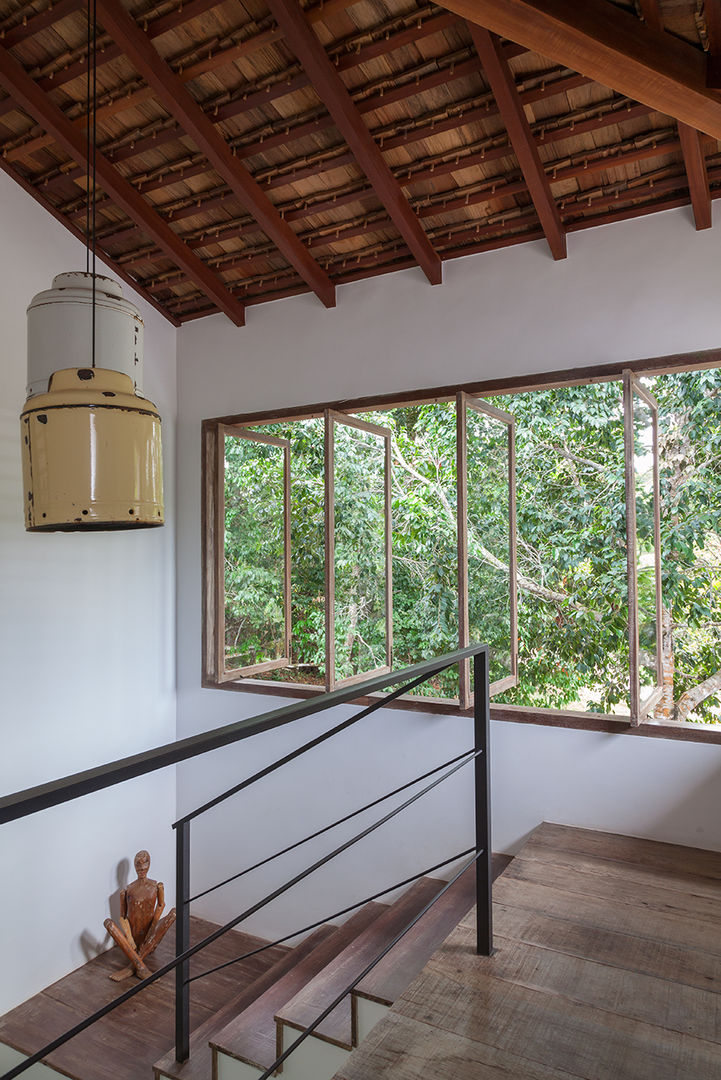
(27, 802)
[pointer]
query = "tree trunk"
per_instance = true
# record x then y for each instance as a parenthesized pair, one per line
(666, 708)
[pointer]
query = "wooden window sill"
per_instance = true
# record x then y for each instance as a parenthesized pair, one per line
(512, 714)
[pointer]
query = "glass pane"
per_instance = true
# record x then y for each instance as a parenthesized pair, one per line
(254, 552)
(425, 575)
(572, 573)
(489, 579)
(643, 463)
(360, 556)
(307, 544)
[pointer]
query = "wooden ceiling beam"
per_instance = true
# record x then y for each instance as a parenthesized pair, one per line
(712, 15)
(694, 158)
(503, 85)
(651, 13)
(29, 95)
(497, 188)
(694, 161)
(543, 91)
(334, 95)
(200, 128)
(612, 47)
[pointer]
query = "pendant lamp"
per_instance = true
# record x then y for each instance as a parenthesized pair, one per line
(91, 444)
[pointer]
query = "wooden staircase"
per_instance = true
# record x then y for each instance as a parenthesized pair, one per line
(244, 1039)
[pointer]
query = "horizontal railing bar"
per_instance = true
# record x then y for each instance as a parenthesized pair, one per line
(172, 964)
(31, 800)
(327, 828)
(366, 971)
(293, 754)
(330, 918)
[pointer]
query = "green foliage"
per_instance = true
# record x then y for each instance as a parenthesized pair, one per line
(254, 618)
(573, 602)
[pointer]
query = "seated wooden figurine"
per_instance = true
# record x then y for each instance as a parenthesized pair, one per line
(142, 924)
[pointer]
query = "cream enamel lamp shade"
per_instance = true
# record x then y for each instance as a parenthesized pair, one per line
(91, 454)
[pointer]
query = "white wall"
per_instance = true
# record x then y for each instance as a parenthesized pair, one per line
(638, 289)
(87, 665)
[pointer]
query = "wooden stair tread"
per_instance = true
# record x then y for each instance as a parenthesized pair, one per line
(320, 991)
(396, 971)
(251, 1036)
(653, 854)
(199, 1064)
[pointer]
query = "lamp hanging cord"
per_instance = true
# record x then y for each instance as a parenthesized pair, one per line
(87, 145)
(95, 148)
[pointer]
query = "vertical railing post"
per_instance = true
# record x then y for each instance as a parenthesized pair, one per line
(482, 778)
(182, 940)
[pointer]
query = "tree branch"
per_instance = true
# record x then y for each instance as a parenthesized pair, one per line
(696, 695)
(487, 556)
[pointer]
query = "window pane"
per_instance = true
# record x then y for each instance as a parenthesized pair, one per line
(643, 463)
(307, 542)
(360, 551)
(488, 514)
(572, 573)
(690, 460)
(425, 575)
(254, 552)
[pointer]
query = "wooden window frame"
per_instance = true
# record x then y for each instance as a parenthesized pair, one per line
(633, 388)
(464, 402)
(223, 672)
(332, 417)
(518, 714)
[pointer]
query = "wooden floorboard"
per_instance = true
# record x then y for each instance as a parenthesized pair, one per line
(125, 1044)
(607, 967)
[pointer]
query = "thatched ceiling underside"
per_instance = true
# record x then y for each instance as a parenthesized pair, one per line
(415, 80)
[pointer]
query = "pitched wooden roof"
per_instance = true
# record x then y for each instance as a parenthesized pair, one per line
(256, 149)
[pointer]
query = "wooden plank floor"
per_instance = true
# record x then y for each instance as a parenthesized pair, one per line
(607, 967)
(125, 1044)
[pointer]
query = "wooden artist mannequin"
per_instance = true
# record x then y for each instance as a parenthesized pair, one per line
(142, 925)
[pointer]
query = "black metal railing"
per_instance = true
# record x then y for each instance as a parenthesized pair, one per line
(24, 803)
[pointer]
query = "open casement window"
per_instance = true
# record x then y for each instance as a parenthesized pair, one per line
(487, 585)
(358, 550)
(252, 573)
(643, 547)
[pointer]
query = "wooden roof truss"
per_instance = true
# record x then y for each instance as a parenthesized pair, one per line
(267, 148)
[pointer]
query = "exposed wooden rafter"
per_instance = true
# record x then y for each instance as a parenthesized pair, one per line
(332, 91)
(611, 46)
(694, 161)
(651, 13)
(712, 17)
(202, 131)
(502, 84)
(27, 93)
(691, 144)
